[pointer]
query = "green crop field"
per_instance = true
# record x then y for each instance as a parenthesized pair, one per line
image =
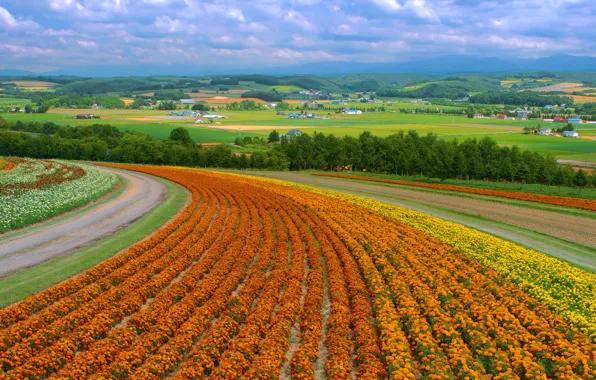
(259, 123)
(5, 101)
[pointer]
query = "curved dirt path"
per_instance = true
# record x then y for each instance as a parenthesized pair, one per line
(57, 237)
(495, 218)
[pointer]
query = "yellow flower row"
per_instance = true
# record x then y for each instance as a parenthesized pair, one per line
(568, 290)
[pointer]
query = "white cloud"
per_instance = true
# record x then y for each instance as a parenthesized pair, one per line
(388, 5)
(298, 19)
(166, 24)
(227, 12)
(25, 51)
(253, 27)
(57, 33)
(8, 21)
(419, 8)
(86, 44)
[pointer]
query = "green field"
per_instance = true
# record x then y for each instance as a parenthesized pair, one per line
(5, 101)
(238, 123)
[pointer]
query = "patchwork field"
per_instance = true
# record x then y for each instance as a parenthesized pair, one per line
(262, 278)
(259, 123)
(557, 87)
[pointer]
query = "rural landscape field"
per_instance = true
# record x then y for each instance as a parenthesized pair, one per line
(297, 189)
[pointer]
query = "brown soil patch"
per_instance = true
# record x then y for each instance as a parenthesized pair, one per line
(583, 98)
(200, 95)
(576, 89)
(32, 83)
(148, 94)
(225, 100)
(557, 87)
(127, 101)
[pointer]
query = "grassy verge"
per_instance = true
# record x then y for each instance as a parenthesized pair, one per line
(31, 280)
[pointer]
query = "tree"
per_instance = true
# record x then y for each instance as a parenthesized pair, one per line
(542, 176)
(200, 107)
(273, 137)
(522, 174)
(181, 135)
(580, 179)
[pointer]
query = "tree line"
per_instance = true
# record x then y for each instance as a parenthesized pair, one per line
(400, 153)
(530, 98)
(412, 154)
(100, 142)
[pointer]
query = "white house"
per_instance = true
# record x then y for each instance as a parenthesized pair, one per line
(213, 116)
(188, 101)
(570, 134)
(349, 111)
(545, 131)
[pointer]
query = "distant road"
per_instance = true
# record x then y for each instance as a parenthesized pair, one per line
(569, 237)
(61, 235)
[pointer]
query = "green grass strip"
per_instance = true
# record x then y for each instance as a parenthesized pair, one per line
(29, 281)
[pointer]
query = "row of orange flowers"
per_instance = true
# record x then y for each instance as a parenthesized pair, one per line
(585, 204)
(265, 280)
(444, 315)
(121, 293)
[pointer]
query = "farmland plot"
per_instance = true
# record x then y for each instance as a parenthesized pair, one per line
(260, 279)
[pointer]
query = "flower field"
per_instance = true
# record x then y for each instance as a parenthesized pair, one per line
(585, 204)
(35, 190)
(262, 279)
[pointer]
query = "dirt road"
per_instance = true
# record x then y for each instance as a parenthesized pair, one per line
(19, 250)
(495, 218)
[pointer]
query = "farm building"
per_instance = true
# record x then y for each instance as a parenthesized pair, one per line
(293, 133)
(548, 120)
(576, 120)
(545, 131)
(349, 111)
(188, 101)
(213, 116)
(570, 134)
(85, 116)
(523, 115)
(559, 119)
(549, 106)
(501, 116)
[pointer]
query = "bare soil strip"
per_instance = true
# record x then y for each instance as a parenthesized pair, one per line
(79, 230)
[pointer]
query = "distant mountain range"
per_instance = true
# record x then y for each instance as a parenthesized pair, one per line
(440, 65)
(449, 65)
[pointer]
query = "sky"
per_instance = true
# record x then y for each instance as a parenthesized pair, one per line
(62, 35)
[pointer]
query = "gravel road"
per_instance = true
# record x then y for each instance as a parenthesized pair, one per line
(76, 230)
(567, 228)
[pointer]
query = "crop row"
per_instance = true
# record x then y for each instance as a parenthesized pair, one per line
(566, 289)
(259, 280)
(459, 317)
(39, 189)
(585, 204)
